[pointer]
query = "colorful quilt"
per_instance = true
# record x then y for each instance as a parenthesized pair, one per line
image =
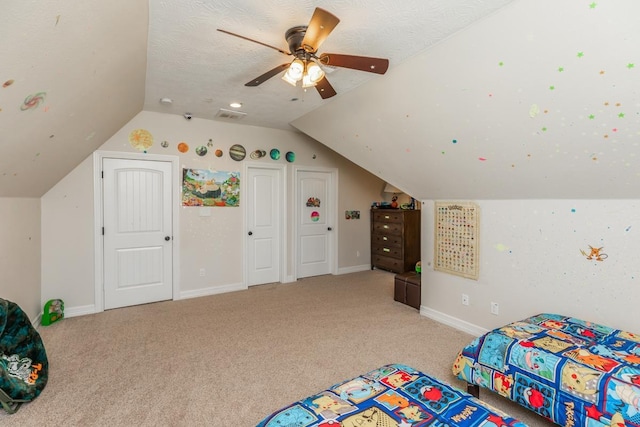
(391, 396)
(573, 372)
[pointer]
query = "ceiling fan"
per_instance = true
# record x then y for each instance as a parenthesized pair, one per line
(304, 42)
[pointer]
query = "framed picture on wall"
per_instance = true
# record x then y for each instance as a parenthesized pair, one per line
(456, 239)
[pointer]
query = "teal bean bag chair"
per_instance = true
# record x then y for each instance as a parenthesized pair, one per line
(23, 359)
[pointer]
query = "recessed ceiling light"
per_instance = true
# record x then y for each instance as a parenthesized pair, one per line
(235, 105)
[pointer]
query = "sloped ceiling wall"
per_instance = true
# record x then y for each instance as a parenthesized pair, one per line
(71, 75)
(540, 100)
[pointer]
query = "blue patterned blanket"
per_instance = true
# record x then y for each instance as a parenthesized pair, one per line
(390, 396)
(573, 372)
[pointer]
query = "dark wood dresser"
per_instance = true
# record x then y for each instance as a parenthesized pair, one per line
(395, 239)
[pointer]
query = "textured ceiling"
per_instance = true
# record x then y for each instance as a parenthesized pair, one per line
(203, 70)
(73, 73)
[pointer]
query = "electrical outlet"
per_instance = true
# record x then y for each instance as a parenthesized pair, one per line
(202, 272)
(495, 308)
(465, 299)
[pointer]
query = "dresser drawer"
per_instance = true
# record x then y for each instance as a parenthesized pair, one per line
(388, 263)
(386, 215)
(387, 251)
(386, 239)
(387, 227)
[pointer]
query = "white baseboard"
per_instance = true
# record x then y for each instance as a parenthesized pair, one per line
(37, 321)
(79, 311)
(213, 290)
(354, 269)
(454, 322)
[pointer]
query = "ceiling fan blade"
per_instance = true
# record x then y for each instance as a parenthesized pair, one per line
(362, 63)
(325, 89)
(255, 41)
(266, 76)
(321, 24)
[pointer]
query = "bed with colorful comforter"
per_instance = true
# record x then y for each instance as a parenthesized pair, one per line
(390, 396)
(573, 372)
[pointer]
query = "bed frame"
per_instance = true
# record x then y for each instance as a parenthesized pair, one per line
(572, 372)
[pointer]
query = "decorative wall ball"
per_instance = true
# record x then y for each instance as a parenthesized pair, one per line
(258, 154)
(164, 144)
(275, 154)
(290, 156)
(237, 152)
(219, 153)
(201, 150)
(183, 147)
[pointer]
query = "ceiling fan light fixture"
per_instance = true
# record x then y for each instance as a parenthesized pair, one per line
(295, 70)
(314, 72)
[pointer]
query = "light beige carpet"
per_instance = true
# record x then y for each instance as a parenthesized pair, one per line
(229, 360)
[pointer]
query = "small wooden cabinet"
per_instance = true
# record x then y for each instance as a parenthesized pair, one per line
(395, 239)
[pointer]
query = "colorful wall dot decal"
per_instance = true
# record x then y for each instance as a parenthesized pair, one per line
(455, 141)
(482, 159)
(580, 54)
(630, 65)
(501, 248)
(201, 150)
(534, 110)
(183, 147)
(560, 69)
(140, 139)
(275, 154)
(164, 144)
(315, 216)
(33, 101)
(8, 83)
(219, 153)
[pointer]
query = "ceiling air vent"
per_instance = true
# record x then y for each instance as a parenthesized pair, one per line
(230, 115)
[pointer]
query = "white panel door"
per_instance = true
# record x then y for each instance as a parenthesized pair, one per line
(137, 218)
(315, 216)
(264, 219)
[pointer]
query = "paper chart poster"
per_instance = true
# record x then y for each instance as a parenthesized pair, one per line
(203, 187)
(456, 238)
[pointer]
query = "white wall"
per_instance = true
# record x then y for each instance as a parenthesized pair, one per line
(20, 253)
(211, 242)
(67, 239)
(531, 262)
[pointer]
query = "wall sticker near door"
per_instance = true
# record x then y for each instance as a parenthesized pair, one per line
(141, 139)
(203, 187)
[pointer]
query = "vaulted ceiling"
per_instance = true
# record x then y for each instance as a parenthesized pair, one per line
(73, 73)
(483, 99)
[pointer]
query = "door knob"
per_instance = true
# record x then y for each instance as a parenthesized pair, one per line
(251, 233)
(329, 228)
(167, 238)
